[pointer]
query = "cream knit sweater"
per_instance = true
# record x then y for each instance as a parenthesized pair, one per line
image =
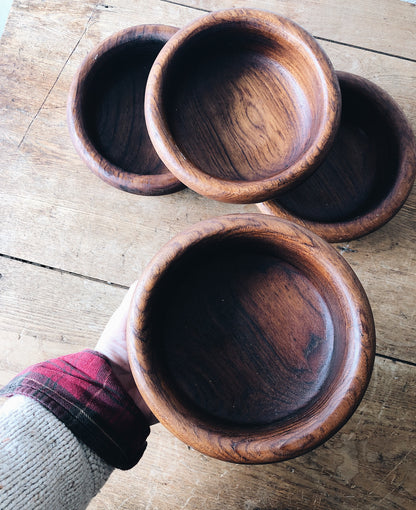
(43, 466)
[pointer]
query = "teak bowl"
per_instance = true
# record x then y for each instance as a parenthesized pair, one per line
(106, 112)
(367, 175)
(250, 338)
(241, 104)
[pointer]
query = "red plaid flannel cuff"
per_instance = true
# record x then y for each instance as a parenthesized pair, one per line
(82, 391)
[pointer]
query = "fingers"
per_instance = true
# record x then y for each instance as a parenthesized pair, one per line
(123, 309)
(112, 342)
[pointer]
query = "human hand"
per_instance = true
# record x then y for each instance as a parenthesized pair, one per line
(113, 345)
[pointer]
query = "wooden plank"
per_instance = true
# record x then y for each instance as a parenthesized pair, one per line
(32, 60)
(30, 64)
(46, 313)
(385, 26)
(368, 464)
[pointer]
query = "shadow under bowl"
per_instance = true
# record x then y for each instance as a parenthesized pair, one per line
(242, 103)
(106, 112)
(368, 174)
(250, 338)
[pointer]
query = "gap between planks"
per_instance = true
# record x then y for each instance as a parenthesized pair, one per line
(125, 287)
(60, 73)
(340, 43)
(64, 271)
(172, 2)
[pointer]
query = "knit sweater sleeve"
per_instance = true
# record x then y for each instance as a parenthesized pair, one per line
(43, 465)
(68, 423)
(82, 391)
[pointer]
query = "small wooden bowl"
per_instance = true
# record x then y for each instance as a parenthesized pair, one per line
(241, 104)
(106, 112)
(367, 175)
(250, 338)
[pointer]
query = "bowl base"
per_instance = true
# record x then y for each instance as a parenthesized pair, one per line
(235, 104)
(248, 337)
(361, 167)
(114, 111)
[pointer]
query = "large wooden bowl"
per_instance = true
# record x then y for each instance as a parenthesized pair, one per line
(241, 104)
(106, 112)
(367, 175)
(250, 338)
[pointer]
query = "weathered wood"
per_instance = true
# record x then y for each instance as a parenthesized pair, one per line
(387, 26)
(31, 64)
(46, 313)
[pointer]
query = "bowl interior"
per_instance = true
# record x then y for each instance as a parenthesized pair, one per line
(112, 106)
(245, 337)
(243, 102)
(361, 167)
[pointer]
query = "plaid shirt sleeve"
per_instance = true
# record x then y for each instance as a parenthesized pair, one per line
(82, 392)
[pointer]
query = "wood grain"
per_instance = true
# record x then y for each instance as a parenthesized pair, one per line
(48, 313)
(386, 27)
(30, 66)
(262, 321)
(250, 338)
(367, 175)
(242, 104)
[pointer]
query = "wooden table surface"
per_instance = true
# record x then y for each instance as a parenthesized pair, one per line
(71, 245)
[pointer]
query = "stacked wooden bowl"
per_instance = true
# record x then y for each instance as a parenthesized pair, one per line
(249, 337)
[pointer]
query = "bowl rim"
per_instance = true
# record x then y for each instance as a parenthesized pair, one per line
(388, 207)
(222, 189)
(141, 184)
(272, 444)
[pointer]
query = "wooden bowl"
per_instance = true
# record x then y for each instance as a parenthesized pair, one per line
(241, 104)
(250, 338)
(106, 112)
(367, 175)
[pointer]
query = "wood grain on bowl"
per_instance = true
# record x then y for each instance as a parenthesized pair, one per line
(368, 174)
(106, 112)
(241, 104)
(250, 338)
